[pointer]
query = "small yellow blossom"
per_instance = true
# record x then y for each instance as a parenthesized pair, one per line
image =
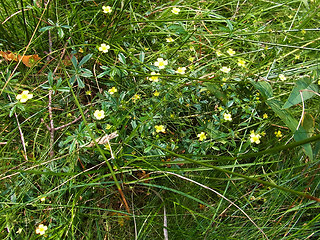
(241, 63)
(225, 69)
(227, 117)
(42, 199)
(81, 50)
(169, 39)
(99, 114)
(41, 229)
(278, 133)
(220, 108)
(108, 126)
(191, 59)
(104, 48)
(175, 10)
(88, 93)
(219, 53)
(112, 90)
(231, 52)
(303, 31)
(254, 138)
(297, 57)
(160, 128)
(160, 63)
(265, 116)
(282, 77)
(106, 9)
(135, 97)
(154, 78)
(24, 96)
(202, 136)
(181, 70)
(156, 93)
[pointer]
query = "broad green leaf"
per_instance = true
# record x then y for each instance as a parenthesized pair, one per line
(264, 88)
(306, 87)
(301, 134)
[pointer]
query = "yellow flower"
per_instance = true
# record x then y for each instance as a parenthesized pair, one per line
(99, 114)
(41, 229)
(278, 133)
(160, 63)
(106, 9)
(104, 48)
(169, 39)
(227, 117)
(202, 136)
(88, 93)
(219, 53)
(231, 52)
(175, 10)
(191, 59)
(108, 126)
(156, 93)
(154, 78)
(265, 116)
(282, 77)
(81, 50)
(241, 63)
(160, 128)
(220, 108)
(42, 199)
(225, 69)
(24, 96)
(112, 90)
(254, 138)
(181, 70)
(135, 97)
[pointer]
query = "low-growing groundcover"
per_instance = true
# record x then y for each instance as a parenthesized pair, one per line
(159, 119)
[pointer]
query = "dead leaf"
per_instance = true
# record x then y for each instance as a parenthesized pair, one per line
(28, 60)
(105, 139)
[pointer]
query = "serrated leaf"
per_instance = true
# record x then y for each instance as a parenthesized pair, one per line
(306, 87)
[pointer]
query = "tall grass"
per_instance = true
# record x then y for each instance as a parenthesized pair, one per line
(227, 148)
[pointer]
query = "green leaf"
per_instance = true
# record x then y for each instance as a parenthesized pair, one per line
(305, 86)
(80, 82)
(141, 56)
(85, 59)
(301, 134)
(60, 33)
(122, 58)
(45, 28)
(74, 62)
(264, 88)
(216, 90)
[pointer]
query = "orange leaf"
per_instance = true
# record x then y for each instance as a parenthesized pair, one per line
(27, 60)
